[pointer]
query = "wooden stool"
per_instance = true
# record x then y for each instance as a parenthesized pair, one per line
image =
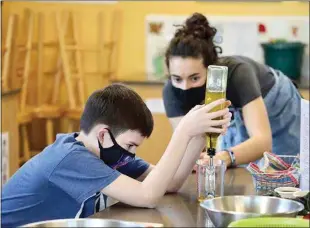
(24, 119)
(73, 116)
(25, 115)
(113, 46)
(46, 111)
(7, 50)
(50, 113)
(73, 112)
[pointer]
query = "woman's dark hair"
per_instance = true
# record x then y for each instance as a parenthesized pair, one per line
(194, 39)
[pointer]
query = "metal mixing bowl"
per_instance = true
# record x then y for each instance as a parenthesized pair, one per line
(224, 210)
(91, 223)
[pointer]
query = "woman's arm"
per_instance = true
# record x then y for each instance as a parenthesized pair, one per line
(257, 124)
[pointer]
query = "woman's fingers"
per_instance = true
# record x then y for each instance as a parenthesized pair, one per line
(202, 155)
(205, 161)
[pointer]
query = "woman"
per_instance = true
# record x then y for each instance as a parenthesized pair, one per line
(265, 103)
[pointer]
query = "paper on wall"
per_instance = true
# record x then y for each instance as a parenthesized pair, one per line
(304, 145)
(240, 36)
(5, 157)
(156, 105)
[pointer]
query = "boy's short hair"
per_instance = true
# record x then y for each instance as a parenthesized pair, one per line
(120, 108)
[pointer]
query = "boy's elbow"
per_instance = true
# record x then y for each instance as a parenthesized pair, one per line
(173, 189)
(174, 186)
(150, 201)
(151, 204)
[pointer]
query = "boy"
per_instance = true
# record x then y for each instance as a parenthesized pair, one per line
(68, 178)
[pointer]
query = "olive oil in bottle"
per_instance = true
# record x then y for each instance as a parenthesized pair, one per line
(215, 90)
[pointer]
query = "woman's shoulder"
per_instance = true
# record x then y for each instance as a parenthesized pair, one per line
(237, 65)
(235, 60)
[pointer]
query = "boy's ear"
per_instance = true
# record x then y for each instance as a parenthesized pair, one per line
(102, 131)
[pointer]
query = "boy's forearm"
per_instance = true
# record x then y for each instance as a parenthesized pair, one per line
(158, 180)
(192, 153)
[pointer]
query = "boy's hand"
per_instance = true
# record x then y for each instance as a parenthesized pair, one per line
(199, 120)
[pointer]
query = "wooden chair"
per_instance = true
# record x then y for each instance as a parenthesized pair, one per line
(25, 115)
(112, 47)
(45, 110)
(42, 110)
(72, 79)
(7, 51)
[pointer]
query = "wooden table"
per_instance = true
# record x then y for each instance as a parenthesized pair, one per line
(181, 209)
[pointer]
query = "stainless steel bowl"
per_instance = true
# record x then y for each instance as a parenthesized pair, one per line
(91, 223)
(224, 210)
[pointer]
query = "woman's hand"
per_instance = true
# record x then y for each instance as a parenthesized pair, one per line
(221, 155)
(200, 120)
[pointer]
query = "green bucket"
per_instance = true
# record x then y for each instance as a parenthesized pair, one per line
(285, 56)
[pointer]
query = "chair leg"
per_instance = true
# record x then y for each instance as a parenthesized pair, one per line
(70, 125)
(25, 143)
(49, 131)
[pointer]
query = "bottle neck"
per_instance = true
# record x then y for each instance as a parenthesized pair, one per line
(211, 152)
(212, 141)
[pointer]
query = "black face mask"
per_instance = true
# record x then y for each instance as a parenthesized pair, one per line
(190, 97)
(115, 156)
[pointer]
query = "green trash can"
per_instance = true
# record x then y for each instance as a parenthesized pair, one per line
(285, 56)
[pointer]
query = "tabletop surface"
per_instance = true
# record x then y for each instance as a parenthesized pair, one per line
(182, 208)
